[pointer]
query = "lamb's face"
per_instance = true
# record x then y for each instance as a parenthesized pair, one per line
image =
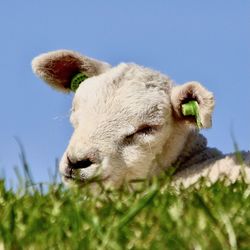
(121, 121)
(127, 120)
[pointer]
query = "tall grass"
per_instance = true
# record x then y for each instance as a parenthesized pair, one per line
(154, 216)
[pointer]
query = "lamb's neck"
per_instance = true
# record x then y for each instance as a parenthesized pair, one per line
(195, 151)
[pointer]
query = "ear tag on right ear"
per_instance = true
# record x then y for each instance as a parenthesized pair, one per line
(77, 80)
(191, 108)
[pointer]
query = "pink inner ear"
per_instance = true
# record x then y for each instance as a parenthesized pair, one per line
(60, 71)
(57, 68)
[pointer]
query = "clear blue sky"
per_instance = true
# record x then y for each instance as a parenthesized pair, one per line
(207, 41)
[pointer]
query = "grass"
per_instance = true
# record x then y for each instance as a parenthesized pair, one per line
(154, 216)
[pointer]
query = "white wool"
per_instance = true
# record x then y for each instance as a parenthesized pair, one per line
(226, 167)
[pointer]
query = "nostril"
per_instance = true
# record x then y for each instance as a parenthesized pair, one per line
(85, 163)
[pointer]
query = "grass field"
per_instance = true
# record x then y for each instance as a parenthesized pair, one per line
(153, 217)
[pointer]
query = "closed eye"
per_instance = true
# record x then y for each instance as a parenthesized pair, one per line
(144, 129)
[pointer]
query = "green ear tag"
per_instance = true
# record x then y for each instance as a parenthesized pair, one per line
(77, 80)
(191, 108)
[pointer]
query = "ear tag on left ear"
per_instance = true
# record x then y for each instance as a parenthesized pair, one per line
(191, 108)
(77, 80)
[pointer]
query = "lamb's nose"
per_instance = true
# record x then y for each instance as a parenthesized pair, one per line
(84, 163)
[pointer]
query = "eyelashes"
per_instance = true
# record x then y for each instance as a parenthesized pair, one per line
(144, 129)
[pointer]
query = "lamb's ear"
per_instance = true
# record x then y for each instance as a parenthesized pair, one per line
(57, 68)
(194, 94)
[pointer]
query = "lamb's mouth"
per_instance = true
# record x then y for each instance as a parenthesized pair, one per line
(70, 178)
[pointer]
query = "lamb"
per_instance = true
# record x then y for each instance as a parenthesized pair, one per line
(129, 123)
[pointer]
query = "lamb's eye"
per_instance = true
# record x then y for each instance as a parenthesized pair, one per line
(145, 129)
(142, 130)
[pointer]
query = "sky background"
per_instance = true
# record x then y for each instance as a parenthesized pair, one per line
(206, 41)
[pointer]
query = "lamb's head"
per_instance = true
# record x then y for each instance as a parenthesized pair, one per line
(128, 121)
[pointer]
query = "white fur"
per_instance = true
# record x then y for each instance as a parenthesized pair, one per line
(226, 168)
(115, 103)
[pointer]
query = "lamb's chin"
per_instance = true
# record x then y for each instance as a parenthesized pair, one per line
(71, 182)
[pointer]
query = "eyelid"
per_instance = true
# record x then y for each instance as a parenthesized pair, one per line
(142, 130)
(144, 127)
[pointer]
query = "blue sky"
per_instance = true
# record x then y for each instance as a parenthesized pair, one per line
(207, 41)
